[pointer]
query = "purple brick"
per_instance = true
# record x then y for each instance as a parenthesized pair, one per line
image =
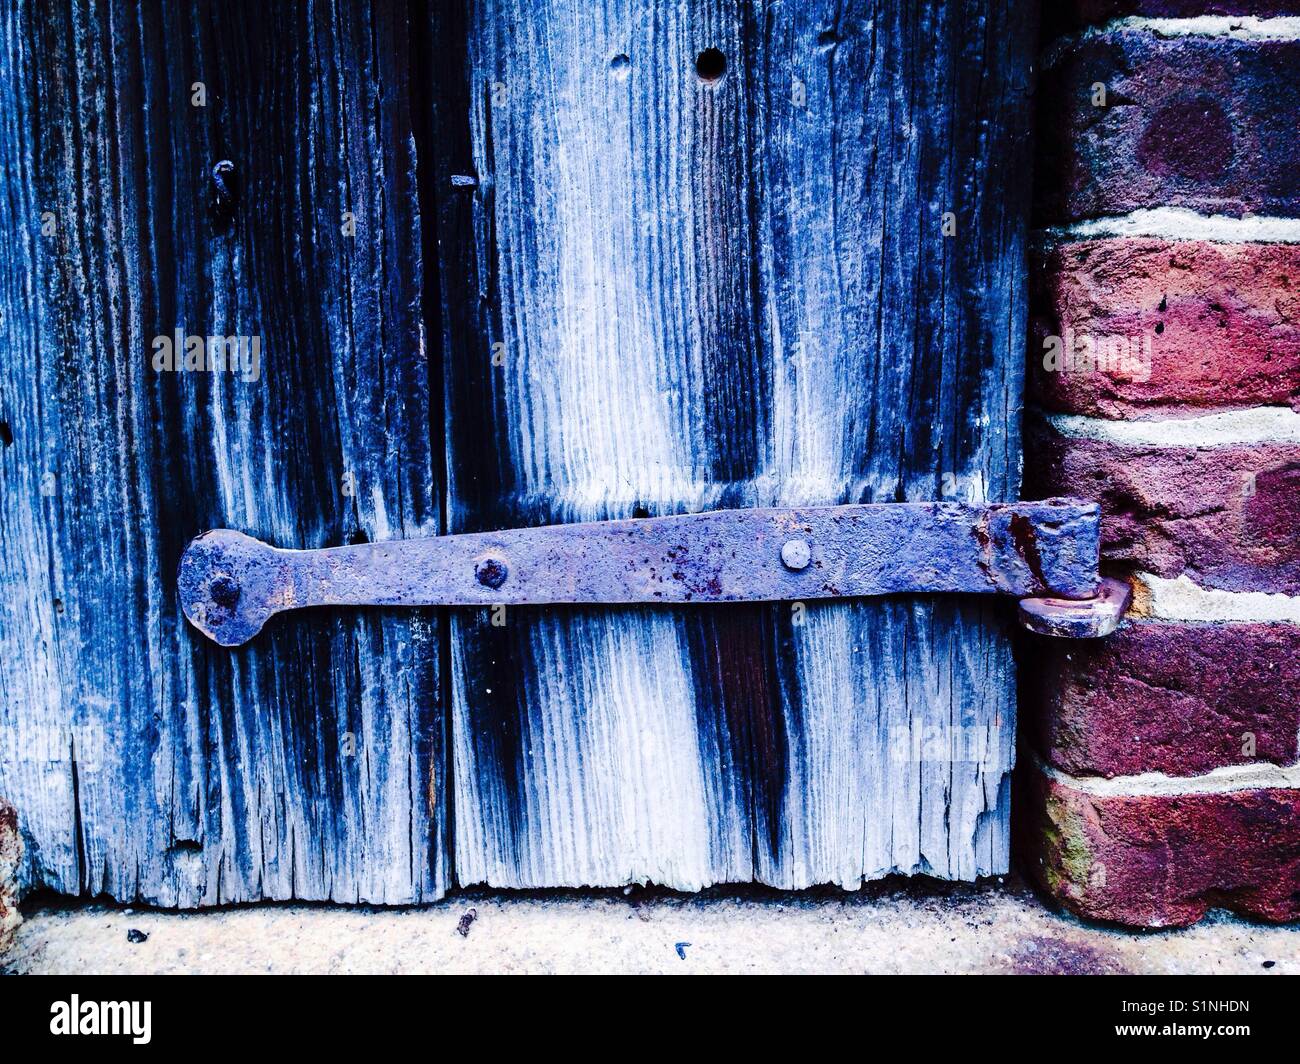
(11, 851)
(1206, 123)
(1161, 861)
(1220, 323)
(1224, 516)
(1174, 698)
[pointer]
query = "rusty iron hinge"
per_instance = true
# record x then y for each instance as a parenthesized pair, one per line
(1045, 553)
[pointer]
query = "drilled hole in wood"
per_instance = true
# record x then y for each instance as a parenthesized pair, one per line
(710, 65)
(620, 67)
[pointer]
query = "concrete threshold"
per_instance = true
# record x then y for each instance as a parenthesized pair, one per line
(896, 926)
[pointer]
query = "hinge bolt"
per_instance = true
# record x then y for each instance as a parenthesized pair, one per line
(796, 554)
(224, 592)
(491, 572)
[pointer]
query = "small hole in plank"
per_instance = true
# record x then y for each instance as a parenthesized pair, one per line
(6, 434)
(620, 67)
(710, 65)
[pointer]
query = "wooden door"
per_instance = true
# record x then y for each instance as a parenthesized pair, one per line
(145, 763)
(509, 263)
(725, 255)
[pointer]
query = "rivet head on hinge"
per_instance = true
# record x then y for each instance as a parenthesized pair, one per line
(491, 572)
(224, 592)
(796, 554)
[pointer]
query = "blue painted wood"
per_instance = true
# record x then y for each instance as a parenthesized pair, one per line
(664, 291)
(592, 280)
(145, 763)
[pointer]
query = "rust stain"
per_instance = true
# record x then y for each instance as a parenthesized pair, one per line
(1026, 543)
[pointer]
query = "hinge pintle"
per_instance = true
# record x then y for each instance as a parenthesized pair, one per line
(1089, 618)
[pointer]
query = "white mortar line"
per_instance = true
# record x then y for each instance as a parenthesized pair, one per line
(1180, 223)
(1222, 27)
(1179, 599)
(1253, 777)
(1234, 27)
(1260, 424)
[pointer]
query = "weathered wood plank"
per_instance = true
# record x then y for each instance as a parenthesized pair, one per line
(144, 762)
(735, 293)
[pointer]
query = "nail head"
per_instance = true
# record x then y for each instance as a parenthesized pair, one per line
(491, 572)
(796, 554)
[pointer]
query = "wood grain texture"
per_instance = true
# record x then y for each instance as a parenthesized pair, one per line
(715, 295)
(704, 296)
(146, 763)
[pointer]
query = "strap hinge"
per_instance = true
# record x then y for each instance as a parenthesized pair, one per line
(1045, 553)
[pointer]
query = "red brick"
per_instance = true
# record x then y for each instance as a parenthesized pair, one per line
(1223, 321)
(11, 849)
(1199, 122)
(1224, 516)
(1162, 861)
(1172, 698)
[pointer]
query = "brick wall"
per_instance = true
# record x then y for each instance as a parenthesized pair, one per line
(11, 851)
(1161, 775)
